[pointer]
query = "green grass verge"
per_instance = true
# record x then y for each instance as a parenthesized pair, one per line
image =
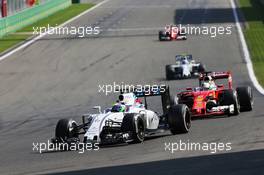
(253, 12)
(57, 18)
(10, 40)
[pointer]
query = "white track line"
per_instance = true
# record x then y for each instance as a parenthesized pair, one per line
(245, 50)
(43, 34)
(140, 7)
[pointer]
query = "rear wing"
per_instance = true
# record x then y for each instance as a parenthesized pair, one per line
(217, 75)
(151, 91)
(178, 57)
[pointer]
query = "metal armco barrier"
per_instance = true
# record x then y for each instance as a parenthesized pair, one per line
(31, 15)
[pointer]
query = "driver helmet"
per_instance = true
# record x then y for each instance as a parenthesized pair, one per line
(118, 108)
(184, 61)
(207, 82)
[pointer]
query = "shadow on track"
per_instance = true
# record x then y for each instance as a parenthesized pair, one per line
(241, 163)
(215, 15)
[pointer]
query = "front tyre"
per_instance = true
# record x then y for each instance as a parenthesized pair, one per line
(134, 125)
(245, 97)
(201, 68)
(169, 72)
(179, 119)
(161, 36)
(66, 129)
(229, 97)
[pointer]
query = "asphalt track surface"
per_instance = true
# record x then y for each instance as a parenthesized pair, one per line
(58, 77)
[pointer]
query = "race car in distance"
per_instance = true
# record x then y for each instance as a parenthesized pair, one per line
(128, 121)
(185, 67)
(210, 99)
(172, 32)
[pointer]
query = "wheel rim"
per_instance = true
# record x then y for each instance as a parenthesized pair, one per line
(187, 120)
(141, 132)
(72, 129)
(251, 97)
(237, 103)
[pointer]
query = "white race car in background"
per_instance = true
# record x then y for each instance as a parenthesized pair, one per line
(185, 67)
(130, 126)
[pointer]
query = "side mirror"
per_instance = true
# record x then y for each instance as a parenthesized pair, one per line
(98, 108)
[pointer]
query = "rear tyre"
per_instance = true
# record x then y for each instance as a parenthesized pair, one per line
(169, 72)
(135, 125)
(229, 97)
(245, 97)
(179, 119)
(66, 129)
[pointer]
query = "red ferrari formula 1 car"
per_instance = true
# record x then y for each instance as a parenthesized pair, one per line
(210, 99)
(172, 32)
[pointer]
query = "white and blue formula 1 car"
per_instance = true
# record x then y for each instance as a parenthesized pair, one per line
(185, 67)
(128, 121)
